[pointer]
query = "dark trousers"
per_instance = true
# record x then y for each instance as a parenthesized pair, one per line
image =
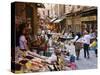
(86, 50)
(96, 52)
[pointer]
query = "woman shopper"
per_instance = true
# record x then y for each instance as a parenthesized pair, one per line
(78, 44)
(93, 45)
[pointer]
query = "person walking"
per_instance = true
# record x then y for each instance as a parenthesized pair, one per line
(78, 44)
(86, 40)
(93, 45)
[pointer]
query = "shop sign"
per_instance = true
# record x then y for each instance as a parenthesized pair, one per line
(85, 19)
(92, 18)
(88, 18)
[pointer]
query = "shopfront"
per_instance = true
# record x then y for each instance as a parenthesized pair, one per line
(89, 19)
(60, 24)
(27, 13)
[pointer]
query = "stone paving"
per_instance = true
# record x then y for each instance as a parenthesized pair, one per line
(85, 63)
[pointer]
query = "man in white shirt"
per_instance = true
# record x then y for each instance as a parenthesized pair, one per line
(86, 40)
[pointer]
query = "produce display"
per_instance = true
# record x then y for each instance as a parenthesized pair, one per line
(54, 59)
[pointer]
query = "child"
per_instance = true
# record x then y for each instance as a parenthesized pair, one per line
(72, 63)
(94, 46)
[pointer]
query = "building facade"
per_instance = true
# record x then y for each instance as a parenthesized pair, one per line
(89, 19)
(73, 18)
(70, 17)
(27, 13)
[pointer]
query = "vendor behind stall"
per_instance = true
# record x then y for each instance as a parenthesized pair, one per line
(22, 39)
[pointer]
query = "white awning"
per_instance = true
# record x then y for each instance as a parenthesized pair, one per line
(59, 19)
(53, 19)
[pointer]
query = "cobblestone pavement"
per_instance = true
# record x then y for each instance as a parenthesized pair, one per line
(85, 63)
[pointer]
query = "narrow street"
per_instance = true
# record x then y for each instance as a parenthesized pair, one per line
(46, 35)
(87, 63)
